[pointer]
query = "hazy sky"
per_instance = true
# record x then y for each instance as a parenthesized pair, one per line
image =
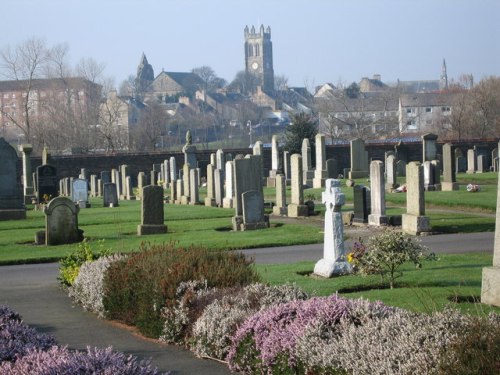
(314, 41)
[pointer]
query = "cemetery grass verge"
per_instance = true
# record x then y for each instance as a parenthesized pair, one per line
(453, 279)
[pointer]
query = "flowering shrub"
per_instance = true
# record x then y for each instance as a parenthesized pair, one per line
(213, 331)
(16, 338)
(59, 360)
(356, 255)
(267, 341)
(70, 265)
(387, 252)
(88, 287)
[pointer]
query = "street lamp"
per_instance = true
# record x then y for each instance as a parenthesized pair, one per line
(249, 126)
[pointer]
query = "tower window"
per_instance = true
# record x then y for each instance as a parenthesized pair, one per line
(257, 50)
(250, 50)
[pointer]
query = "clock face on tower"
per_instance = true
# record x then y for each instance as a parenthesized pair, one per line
(255, 66)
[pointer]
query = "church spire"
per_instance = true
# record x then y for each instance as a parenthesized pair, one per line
(443, 81)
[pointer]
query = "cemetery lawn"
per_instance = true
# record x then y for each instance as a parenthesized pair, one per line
(453, 279)
(187, 225)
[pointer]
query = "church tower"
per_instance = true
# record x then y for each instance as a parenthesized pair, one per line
(145, 75)
(259, 56)
(443, 80)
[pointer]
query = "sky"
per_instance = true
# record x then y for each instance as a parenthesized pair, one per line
(314, 41)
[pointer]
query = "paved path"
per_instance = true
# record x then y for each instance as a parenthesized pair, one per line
(33, 291)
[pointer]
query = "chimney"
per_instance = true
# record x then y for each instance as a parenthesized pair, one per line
(377, 77)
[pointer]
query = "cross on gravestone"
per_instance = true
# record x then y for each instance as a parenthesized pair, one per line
(11, 193)
(152, 215)
(61, 222)
(333, 262)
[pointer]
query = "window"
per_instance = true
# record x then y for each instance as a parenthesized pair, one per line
(428, 110)
(410, 111)
(257, 50)
(6, 96)
(445, 109)
(411, 125)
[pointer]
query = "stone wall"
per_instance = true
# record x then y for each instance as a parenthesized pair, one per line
(70, 165)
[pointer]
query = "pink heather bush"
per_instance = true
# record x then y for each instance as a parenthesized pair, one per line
(16, 338)
(266, 342)
(59, 360)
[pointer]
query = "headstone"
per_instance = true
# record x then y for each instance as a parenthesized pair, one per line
(258, 150)
(436, 170)
(220, 160)
(194, 196)
(11, 193)
(297, 208)
(413, 221)
(180, 191)
(401, 168)
(481, 164)
(227, 202)
(80, 193)
(253, 211)
(286, 165)
(152, 214)
(361, 198)
(359, 159)
(173, 191)
(334, 258)
(46, 157)
(186, 182)
(219, 187)
(320, 171)
(189, 151)
(173, 169)
(93, 186)
(83, 174)
(494, 159)
(110, 195)
(26, 150)
(275, 161)
(166, 173)
(471, 161)
(106, 177)
(429, 148)
(377, 216)
(47, 183)
(129, 189)
(61, 222)
(141, 182)
(210, 197)
(490, 288)
(332, 168)
(307, 163)
(280, 207)
(246, 178)
(391, 174)
(213, 159)
(461, 164)
(449, 169)
(428, 176)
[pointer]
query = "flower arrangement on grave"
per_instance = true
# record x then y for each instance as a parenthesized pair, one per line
(356, 255)
(473, 188)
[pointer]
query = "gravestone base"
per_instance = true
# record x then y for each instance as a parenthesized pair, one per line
(347, 217)
(184, 199)
(227, 203)
(279, 211)
(328, 268)
(377, 220)
(318, 183)
(210, 202)
(194, 203)
(358, 174)
(490, 289)
(145, 229)
(83, 204)
(239, 225)
(40, 237)
(449, 186)
(414, 225)
(13, 214)
(298, 210)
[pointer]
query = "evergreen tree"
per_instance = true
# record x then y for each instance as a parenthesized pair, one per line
(302, 126)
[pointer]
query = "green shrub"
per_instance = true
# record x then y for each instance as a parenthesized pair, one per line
(69, 266)
(387, 252)
(137, 289)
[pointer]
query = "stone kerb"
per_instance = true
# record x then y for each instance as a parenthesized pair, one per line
(152, 214)
(61, 222)
(490, 288)
(334, 259)
(413, 221)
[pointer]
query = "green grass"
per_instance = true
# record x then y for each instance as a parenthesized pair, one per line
(427, 289)
(187, 225)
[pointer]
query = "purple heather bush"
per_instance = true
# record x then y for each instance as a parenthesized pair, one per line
(59, 360)
(213, 330)
(266, 342)
(16, 338)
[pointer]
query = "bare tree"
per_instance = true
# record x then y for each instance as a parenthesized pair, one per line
(244, 83)
(280, 82)
(212, 81)
(151, 126)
